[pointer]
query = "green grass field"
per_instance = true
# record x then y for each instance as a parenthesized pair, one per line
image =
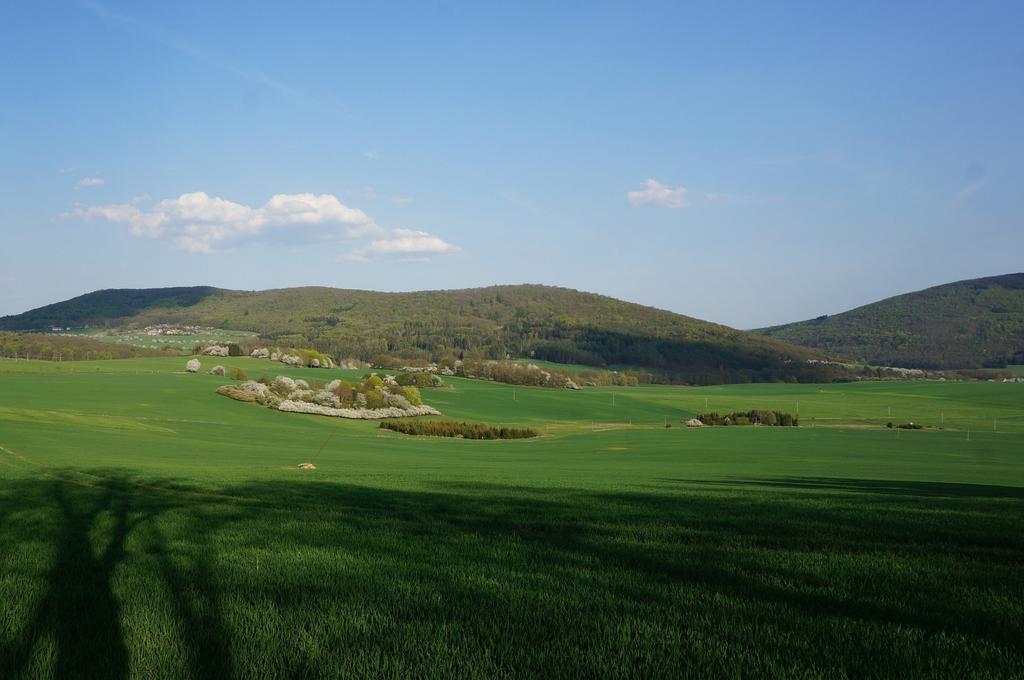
(151, 528)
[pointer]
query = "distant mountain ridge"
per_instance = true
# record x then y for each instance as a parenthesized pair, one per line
(545, 322)
(965, 324)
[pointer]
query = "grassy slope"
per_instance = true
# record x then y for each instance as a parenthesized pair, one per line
(957, 325)
(149, 526)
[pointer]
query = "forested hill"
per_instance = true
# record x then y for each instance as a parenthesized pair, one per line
(557, 324)
(105, 306)
(967, 324)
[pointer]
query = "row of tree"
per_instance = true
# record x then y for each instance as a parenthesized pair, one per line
(752, 417)
(450, 428)
(511, 373)
(50, 347)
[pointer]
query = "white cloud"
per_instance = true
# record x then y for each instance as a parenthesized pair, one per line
(198, 222)
(91, 182)
(313, 209)
(657, 194)
(372, 154)
(403, 245)
(411, 241)
(400, 200)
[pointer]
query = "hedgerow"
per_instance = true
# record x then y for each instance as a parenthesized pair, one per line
(752, 417)
(451, 428)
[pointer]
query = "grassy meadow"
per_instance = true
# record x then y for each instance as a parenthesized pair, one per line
(151, 528)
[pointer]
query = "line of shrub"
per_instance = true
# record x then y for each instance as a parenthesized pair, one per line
(451, 428)
(753, 417)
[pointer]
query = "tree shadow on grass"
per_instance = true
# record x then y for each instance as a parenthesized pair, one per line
(694, 546)
(89, 524)
(78, 582)
(872, 486)
(519, 577)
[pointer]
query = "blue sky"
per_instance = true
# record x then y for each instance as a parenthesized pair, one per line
(749, 163)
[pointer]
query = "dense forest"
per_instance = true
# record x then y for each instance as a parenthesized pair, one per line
(967, 324)
(541, 322)
(104, 307)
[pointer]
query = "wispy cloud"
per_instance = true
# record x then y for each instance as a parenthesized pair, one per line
(175, 42)
(965, 194)
(976, 180)
(400, 200)
(372, 154)
(91, 182)
(657, 194)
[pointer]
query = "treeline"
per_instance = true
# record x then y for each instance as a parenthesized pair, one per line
(450, 428)
(752, 417)
(511, 373)
(245, 348)
(508, 372)
(1015, 359)
(47, 347)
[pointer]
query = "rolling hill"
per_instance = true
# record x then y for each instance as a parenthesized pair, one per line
(967, 324)
(544, 322)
